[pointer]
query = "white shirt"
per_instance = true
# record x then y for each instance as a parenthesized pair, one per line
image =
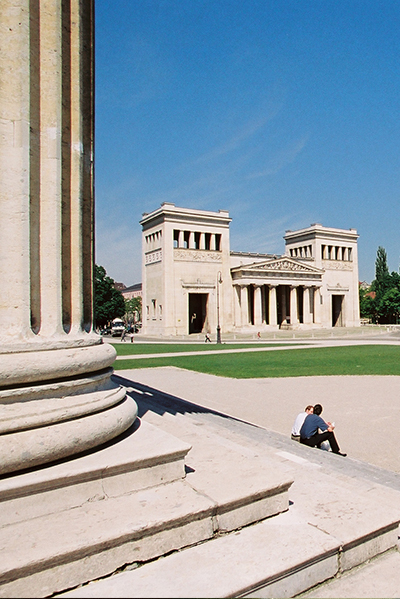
(298, 423)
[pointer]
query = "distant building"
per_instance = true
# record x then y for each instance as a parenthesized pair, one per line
(119, 286)
(193, 283)
(132, 291)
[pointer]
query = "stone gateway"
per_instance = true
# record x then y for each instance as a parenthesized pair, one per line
(193, 282)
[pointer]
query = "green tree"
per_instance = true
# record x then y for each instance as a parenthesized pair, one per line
(108, 301)
(368, 307)
(132, 306)
(382, 282)
(390, 305)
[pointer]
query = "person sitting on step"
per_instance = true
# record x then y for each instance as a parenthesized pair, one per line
(309, 434)
(298, 423)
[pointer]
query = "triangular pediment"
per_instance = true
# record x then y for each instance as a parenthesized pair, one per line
(282, 265)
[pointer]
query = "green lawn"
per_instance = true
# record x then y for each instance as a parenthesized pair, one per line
(353, 360)
(132, 349)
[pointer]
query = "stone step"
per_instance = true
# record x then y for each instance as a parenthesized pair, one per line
(83, 520)
(279, 557)
(373, 580)
(283, 556)
(146, 456)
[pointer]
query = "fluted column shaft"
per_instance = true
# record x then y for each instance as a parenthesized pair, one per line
(257, 305)
(294, 319)
(307, 316)
(14, 170)
(273, 312)
(317, 305)
(56, 395)
(244, 303)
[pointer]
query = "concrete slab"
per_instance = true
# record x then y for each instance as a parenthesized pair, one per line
(373, 580)
(38, 553)
(85, 519)
(362, 407)
(140, 447)
(232, 566)
(229, 463)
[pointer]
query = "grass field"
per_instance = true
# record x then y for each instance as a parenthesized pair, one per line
(132, 349)
(321, 361)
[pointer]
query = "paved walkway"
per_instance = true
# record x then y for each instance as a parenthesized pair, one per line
(365, 409)
(367, 416)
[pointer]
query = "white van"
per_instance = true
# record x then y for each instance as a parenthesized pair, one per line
(117, 327)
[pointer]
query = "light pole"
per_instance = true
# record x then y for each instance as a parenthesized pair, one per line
(219, 281)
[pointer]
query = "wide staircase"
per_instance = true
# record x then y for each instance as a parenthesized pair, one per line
(194, 504)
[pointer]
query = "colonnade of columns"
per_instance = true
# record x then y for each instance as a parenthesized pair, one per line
(56, 395)
(198, 240)
(276, 305)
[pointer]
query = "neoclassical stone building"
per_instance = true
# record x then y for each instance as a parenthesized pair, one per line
(193, 283)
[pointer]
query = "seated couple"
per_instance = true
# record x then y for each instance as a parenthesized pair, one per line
(310, 429)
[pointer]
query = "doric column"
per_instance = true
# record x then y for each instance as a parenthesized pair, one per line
(236, 306)
(294, 318)
(283, 304)
(244, 304)
(317, 304)
(56, 395)
(191, 240)
(181, 239)
(273, 312)
(264, 304)
(307, 316)
(213, 244)
(202, 241)
(257, 305)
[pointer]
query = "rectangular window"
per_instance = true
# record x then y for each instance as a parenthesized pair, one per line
(176, 238)
(218, 242)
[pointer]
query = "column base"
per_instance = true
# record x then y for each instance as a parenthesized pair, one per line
(59, 403)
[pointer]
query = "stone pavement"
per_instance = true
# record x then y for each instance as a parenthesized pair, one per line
(343, 497)
(365, 409)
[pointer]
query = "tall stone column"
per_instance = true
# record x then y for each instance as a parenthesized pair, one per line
(244, 303)
(294, 318)
(273, 312)
(317, 304)
(236, 305)
(257, 305)
(284, 306)
(307, 316)
(56, 395)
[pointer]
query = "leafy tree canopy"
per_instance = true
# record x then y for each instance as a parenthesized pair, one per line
(108, 301)
(133, 305)
(390, 304)
(381, 301)
(382, 282)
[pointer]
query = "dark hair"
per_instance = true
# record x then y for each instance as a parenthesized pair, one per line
(317, 409)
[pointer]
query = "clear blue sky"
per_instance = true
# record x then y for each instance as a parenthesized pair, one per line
(283, 112)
